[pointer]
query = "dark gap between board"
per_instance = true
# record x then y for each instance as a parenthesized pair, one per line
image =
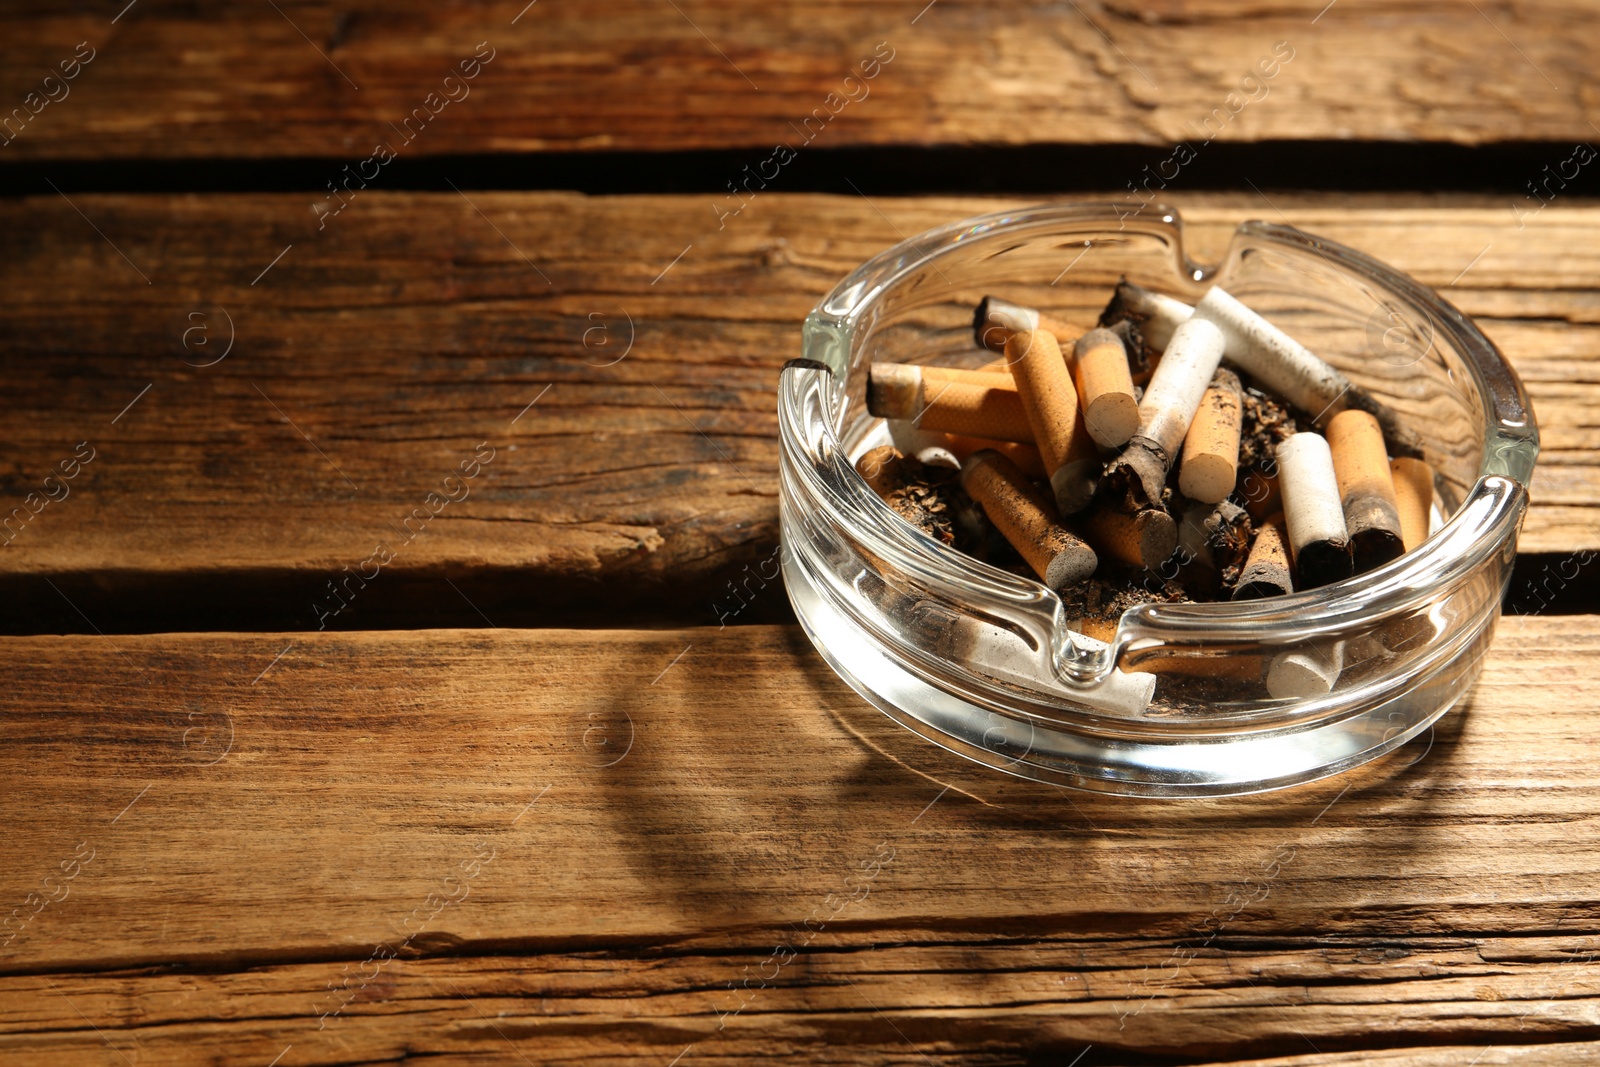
(737, 595)
(1511, 168)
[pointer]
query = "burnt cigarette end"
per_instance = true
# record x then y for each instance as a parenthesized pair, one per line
(894, 390)
(1139, 474)
(985, 330)
(1156, 314)
(1147, 538)
(928, 497)
(1323, 563)
(1374, 531)
(1141, 360)
(995, 320)
(1267, 571)
(1027, 519)
(1226, 529)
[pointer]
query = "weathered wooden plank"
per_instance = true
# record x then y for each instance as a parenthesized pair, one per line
(371, 357)
(963, 999)
(319, 79)
(580, 839)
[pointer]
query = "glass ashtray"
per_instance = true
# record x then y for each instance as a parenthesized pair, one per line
(981, 660)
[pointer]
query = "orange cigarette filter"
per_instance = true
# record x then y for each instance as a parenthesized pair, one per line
(1097, 628)
(1413, 491)
(1366, 488)
(1051, 403)
(1232, 666)
(970, 403)
(1027, 519)
(1105, 388)
(1211, 447)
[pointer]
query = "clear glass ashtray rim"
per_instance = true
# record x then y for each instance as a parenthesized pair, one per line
(1484, 525)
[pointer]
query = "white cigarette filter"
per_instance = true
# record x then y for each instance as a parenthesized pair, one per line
(1305, 673)
(1178, 385)
(1274, 359)
(1313, 511)
(1159, 315)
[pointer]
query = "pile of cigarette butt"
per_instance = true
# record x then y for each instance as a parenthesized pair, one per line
(1172, 453)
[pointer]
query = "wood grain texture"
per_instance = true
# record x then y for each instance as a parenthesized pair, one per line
(654, 813)
(172, 79)
(371, 357)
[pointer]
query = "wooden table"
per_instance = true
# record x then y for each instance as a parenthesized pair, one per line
(528, 795)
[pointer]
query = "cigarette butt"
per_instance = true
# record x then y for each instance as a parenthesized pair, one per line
(1179, 383)
(1308, 672)
(1105, 388)
(1266, 571)
(1099, 629)
(1261, 494)
(1157, 315)
(1025, 456)
(1145, 538)
(883, 469)
(955, 401)
(1366, 488)
(1233, 666)
(1312, 511)
(1285, 366)
(1211, 447)
(1213, 541)
(1168, 407)
(1413, 491)
(1051, 404)
(995, 320)
(1027, 519)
